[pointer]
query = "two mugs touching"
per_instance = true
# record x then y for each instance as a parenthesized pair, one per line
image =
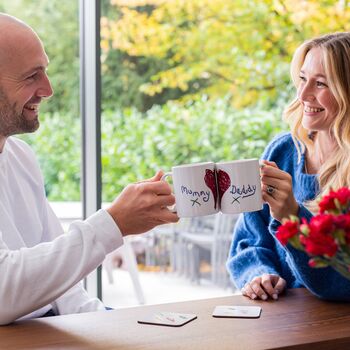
(231, 187)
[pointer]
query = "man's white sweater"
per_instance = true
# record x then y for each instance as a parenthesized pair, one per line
(40, 267)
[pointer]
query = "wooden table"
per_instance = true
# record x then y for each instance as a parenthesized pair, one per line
(297, 321)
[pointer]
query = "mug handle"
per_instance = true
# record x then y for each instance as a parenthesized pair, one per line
(172, 208)
(166, 175)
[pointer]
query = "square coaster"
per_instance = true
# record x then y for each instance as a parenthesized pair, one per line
(237, 311)
(171, 319)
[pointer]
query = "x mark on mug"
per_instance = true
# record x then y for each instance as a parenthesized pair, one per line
(236, 199)
(195, 201)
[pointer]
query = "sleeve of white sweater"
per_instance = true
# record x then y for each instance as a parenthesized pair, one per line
(36, 276)
(76, 299)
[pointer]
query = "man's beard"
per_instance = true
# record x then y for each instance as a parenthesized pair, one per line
(12, 122)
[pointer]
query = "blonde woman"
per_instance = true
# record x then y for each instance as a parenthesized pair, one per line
(298, 167)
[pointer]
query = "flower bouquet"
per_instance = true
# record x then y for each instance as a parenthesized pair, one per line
(326, 238)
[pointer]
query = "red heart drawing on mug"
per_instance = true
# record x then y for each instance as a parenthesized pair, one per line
(224, 182)
(210, 181)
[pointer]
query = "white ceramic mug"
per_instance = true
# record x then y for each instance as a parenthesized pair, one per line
(194, 189)
(239, 187)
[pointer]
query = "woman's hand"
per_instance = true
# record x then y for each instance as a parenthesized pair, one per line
(277, 191)
(265, 286)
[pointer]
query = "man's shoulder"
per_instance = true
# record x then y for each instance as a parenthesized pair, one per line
(20, 151)
(22, 158)
(15, 141)
(17, 145)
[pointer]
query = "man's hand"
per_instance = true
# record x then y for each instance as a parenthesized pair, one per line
(263, 287)
(143, 205)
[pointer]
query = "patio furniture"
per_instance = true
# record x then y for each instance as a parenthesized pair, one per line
(214, 236)
(129, 261)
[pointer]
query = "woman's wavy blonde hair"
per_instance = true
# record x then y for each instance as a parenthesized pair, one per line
(335, 171)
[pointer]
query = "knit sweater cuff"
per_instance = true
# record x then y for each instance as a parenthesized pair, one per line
(303, 212)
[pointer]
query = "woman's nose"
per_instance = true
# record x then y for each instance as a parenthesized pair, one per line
(306, 93)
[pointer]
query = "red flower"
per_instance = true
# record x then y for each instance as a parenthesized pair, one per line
(343, 195)
(326, 238)
(319, 244)
(323, 224)
(328, 203)
(342, 221)
(312, 263)
(286, 231)
(319, 240)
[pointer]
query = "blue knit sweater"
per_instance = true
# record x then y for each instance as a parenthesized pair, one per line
(255, 250)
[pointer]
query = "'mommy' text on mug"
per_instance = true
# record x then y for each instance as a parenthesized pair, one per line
(205, 188)
(192, 195)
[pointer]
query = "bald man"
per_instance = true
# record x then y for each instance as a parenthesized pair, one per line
(40, 267)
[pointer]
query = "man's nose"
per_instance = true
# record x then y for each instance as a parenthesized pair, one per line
(45, 90)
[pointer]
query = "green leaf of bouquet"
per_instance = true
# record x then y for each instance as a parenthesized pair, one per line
(337, 204)
(321, 262)
(295, 243)
(339, 235)
(304, 230)
(346, 249)
(294, 218)
(341, 268)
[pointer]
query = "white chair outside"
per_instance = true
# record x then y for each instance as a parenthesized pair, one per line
(181, 246)
(214, 235)
(223, 229)
(129, 261)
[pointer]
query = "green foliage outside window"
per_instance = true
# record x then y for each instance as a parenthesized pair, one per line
(136, 145)
(212, 47)
(173, 134)
(182, 81)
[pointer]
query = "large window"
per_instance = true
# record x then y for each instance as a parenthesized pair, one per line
(182, 82)
(190, 81)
